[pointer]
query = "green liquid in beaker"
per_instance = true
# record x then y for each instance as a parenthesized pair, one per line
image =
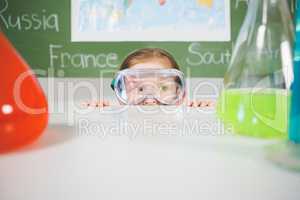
(259, 113)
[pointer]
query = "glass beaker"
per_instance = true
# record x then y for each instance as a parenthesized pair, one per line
(255, 99)
(23, 105)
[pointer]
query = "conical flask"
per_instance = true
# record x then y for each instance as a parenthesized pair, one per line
(255, 98)
(23, 106)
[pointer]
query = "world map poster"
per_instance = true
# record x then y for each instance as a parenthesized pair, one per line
(151, 20)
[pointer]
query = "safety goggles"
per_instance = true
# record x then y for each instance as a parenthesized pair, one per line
(149, 86)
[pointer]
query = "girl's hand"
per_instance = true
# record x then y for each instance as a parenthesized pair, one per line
(199, 103)
(95, 104)
(101, 104)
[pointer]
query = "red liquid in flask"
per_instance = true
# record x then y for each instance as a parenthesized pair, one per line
(23, 105)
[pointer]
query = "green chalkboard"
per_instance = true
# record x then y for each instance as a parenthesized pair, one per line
(41, 30)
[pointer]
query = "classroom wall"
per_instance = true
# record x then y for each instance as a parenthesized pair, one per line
(41, 32)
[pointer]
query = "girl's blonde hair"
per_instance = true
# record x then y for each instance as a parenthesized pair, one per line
(146, 54)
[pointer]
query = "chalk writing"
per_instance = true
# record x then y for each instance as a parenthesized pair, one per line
(60, 58)
(197, 56)
(42, 21)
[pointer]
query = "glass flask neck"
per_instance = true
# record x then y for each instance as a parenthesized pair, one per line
(268, 12)
(262, 56)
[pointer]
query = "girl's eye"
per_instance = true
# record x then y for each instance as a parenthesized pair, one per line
(141, 89)
(163, 88)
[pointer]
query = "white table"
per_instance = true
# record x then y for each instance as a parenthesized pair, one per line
(140, 164)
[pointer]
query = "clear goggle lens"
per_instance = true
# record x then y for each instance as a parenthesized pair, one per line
(160, 86)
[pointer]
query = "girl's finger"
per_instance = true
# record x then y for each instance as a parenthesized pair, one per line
(205, 103)
(211, 104)
(106, 103)
(195, 104)
(85, 104)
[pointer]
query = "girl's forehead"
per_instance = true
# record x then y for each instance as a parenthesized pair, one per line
(155, 64)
